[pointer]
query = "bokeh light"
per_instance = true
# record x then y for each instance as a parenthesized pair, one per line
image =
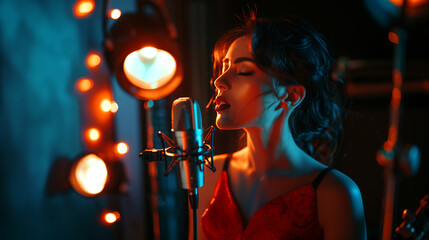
(93, 134)
(121, 148)
(110, 217)
(83, 8)
(93, 60)
(115, 14)
(89, 175)
(84, 84)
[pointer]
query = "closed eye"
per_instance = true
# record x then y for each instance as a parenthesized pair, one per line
(245, 73)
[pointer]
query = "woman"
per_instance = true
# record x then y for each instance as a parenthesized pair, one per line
(272, 80)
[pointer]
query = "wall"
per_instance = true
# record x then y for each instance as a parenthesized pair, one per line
(42, 49)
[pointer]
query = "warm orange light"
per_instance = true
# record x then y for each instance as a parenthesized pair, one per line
(397, 77)
(121, 148)
(149, 67)
(109, 106)
(89, 175)
(393, 37)
(93, 60)
(111, 217)
(396, 93)
(83, 8)
(84, 84)
(115, 14)
(391, 139)
(114, 107)
(396, 98)
(105, 105)
(93, 134)
(411, 3)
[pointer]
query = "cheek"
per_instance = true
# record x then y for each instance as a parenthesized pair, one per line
(246, 108)
(249, 98)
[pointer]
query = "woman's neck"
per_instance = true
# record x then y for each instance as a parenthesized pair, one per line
(272, 147)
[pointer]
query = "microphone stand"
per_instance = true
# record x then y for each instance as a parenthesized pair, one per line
(151, 155)
(153, 172)
(389, 155)
(193, 201)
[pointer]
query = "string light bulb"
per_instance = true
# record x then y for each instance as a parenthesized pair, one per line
(121, 148)
(84, 84)
(115, 14)
(83, 8)
(93, 60)
(89, 175)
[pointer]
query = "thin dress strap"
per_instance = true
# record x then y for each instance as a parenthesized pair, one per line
(320, 177)
(226, 163)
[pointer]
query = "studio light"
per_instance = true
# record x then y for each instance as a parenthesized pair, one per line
(142, 51)
(388, 12)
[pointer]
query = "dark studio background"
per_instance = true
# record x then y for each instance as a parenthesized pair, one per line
(43, 47)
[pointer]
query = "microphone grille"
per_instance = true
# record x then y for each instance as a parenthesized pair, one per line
(185, 115)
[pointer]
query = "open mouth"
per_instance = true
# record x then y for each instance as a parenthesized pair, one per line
(221, 104)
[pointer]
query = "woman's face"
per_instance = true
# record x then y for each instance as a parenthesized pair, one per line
(243, 90)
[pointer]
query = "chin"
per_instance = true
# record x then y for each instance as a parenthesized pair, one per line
(222, 124)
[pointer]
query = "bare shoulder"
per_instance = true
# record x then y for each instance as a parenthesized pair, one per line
(336, 183)
(340, 207)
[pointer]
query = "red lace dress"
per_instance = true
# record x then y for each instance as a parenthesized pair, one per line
(290, 216)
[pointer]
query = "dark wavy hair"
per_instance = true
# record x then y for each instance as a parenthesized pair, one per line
(292, 51)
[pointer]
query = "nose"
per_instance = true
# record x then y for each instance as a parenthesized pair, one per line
(221, 83)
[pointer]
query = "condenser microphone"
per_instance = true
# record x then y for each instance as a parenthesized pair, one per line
(188, 134)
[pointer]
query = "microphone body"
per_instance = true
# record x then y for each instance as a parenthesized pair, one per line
(188, 134)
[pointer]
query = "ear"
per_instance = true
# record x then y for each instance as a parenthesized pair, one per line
(296, 94)
(292, 97)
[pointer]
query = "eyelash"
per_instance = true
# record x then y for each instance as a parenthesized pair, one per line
(245, 73)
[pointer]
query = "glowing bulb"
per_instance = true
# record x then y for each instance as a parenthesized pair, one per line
(148, 53)
(105, 105)
(115, 14)
(111, 217)
(122, 148)
(149, 68)
(83, 8)
(84, 84)
(93, 60)
(93, 134)
(114, 107)
(89, 176)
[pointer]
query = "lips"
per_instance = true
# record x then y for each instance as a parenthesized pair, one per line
(221, 104)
